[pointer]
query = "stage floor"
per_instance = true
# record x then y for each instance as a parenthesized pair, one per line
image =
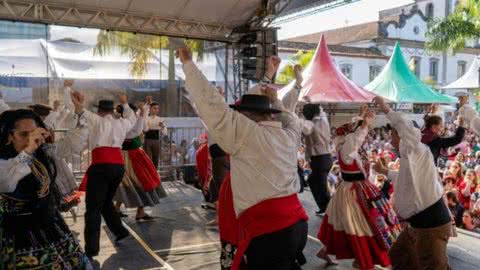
(179, 238)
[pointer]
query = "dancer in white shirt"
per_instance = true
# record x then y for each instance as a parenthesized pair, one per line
(264, 179)
(141, 186)
(317, 139)
(418, 199)
(154, 131)
(107, 169)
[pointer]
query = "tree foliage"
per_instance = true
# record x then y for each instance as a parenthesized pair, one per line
(455, 31)
(287, 74)
(141, 48)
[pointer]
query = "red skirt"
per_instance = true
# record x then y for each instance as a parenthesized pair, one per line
(144, 169)
(347, 231)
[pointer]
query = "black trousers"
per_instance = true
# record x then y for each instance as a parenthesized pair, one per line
(219, 171)
(103, 181)
(317, 181)
(280, 250)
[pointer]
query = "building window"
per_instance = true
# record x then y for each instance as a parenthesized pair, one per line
(415, 62)
(461, 68)
(374, 71)
(429, 11)
(346, 70)
(434, 69)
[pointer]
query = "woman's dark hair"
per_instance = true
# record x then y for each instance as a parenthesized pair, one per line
(310, 110)
(8, 120)
(119, 108)
(432, 120)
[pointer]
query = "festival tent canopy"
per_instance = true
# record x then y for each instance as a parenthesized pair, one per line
(470, 80)
(398, 84)
(325, 83)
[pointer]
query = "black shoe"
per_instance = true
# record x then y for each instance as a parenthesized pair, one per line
(121, 237)
(320, 213)
(146, 218)
(122, 215)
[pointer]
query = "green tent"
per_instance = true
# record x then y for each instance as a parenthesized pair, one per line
(398, 84)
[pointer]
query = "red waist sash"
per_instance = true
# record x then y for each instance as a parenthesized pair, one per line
(102, 155)
(266, 217)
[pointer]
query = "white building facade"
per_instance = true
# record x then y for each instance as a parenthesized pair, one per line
(406, 24)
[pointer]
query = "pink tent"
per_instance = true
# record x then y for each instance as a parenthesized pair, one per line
(324, 83)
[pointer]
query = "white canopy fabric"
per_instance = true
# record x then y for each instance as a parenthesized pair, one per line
(204, 19)
(470, 80)
(38, 58)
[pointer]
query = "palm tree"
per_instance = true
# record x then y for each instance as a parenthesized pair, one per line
(454, 31)
(287, 74)
(142, 49)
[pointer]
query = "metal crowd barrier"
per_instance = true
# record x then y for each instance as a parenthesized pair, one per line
(168, 165)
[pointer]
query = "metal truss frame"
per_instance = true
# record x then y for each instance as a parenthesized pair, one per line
(61, 14)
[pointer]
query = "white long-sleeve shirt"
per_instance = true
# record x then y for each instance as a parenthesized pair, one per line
(263, 155)
(417, 184)
(137, 129)
(317, 135)
(13, 170)
(349, 148)
(107, 131)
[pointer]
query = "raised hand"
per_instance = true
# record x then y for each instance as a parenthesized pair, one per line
(368, 119)
(381, 103)
(148, 100)
(143, 110)
(270, 92)
(184, 54)
(77, 98)
(273, 62)
(35, 139)
(363, 110)
(379, 167)
(298, 74)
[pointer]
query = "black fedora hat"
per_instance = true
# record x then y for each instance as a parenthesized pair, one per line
(41, 109)
(105, 105)
(256, 103)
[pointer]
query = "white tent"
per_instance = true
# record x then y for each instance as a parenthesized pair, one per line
(470, 80)
(60, 59)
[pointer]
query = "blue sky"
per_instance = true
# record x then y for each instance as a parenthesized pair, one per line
(355, 13)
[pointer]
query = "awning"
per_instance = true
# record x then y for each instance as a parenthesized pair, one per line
(203, 19)
(398, 84)
(470, 80)
(324, 83)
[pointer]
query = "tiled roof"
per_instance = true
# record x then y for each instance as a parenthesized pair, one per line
(366, 31)
(334, 49)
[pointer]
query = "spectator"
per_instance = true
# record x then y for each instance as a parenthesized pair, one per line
(456, 171)
(466, 188)
(467, 222)
(455, 207)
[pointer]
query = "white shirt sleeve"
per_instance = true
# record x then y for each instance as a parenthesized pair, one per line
(307, 127)
(322, 126)
(409, 135)
(290, 99)
(230, 128)
(138, 127)
(92, 119)
(51, 120)
(353, 142)
(129, 118)
(13, 170)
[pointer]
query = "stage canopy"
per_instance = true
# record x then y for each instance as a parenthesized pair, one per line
(398, 84)
(324, 83)
(203, 19)
(470, 80)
